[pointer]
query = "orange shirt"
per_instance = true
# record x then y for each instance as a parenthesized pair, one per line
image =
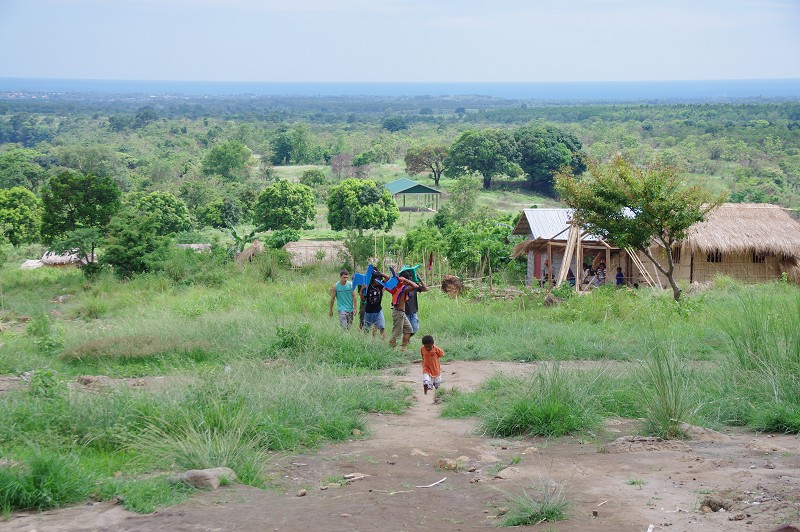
(430, 361)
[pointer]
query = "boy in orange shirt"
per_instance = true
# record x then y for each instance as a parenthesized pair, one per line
(431, 370)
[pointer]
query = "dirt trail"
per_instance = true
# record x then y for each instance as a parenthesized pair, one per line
(627, 490)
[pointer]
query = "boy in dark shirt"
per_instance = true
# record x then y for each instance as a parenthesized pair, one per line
(373, 297)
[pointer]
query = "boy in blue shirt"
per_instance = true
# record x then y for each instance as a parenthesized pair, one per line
(342, 292)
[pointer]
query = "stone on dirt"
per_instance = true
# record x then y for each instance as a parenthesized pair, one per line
(205, 478)
(715, 503)
(449, 464)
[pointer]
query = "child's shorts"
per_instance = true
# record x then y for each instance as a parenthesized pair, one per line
(431, 381)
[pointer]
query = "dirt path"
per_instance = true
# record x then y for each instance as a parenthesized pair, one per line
(758, 475)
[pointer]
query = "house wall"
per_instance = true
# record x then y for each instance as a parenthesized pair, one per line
(697, 268)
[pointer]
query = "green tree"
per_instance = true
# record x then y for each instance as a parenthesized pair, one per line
(133, 244)
(394, 123)
(313, 177)
(77, 201)
(170, 214)
(285, 205)
(20, 215)
(144, 116)
(19, 167)
(228, 159)
(219, 213)
(461, 200)
(196, 194)
(99, 160)
(429, 158)
(545, 150)
(489, 152)
(292, 146)
(637, 208)
(469, 244)
(361, 204)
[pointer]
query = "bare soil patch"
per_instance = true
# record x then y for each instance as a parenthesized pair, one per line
(757, 476)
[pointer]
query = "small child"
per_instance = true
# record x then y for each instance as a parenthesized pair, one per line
(431, 370)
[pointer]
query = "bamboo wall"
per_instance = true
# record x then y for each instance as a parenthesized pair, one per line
(697, 269)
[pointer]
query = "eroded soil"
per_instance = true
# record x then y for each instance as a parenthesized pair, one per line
(610, 487)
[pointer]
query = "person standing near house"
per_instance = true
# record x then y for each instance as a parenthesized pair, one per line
(342, 292)
(620, 277)
(412, 305)
(601, 274)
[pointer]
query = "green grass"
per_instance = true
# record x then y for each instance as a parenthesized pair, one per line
(552, 402)
(254, 365)
(525, 509)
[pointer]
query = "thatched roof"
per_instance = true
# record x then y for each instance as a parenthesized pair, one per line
(746, 228)
(248, 254)
(53, 259)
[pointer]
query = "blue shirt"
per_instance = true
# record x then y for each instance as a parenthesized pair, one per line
(344, 297)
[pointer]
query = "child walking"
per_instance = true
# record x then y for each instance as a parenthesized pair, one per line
(431, 370)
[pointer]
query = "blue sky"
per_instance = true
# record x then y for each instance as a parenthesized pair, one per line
(400, 40)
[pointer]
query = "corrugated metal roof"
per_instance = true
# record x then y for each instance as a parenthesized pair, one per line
(407, 186)
(547, 224)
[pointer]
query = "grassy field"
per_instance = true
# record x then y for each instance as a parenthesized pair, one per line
(252, 365)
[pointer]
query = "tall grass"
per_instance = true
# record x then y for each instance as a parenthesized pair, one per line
(763, 338)
(525, 509)
(552, 402)
(666, 389)
(44, 480)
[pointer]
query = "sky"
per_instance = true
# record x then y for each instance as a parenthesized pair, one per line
(400, 40)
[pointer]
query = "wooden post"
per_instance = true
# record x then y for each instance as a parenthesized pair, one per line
(579, 263)
(489, 262)
(608, 263)
(549, 264)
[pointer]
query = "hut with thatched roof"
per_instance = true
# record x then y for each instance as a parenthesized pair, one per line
(747, 241)
(751, 242)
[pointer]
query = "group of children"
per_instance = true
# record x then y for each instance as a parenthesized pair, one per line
(405, 319)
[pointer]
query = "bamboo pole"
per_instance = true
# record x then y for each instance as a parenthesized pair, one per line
(489, 261)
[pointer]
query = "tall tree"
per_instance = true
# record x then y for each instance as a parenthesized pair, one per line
(20, 215)
(427, 159)
(170, 214)
(489, 152)
(284, 205)
(19, 167)
(76, 201)
(228, 159)
(545, 150)
(361, 204)
(637, 208)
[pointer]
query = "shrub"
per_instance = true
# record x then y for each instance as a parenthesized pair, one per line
(526, 510)
(45, 480)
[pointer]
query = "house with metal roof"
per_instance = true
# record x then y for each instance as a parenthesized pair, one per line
(427, 197)
(549, 232)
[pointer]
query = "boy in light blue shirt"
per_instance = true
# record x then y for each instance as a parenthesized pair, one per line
(342, 292)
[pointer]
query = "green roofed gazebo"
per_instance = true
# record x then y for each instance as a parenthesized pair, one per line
(427, 197)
